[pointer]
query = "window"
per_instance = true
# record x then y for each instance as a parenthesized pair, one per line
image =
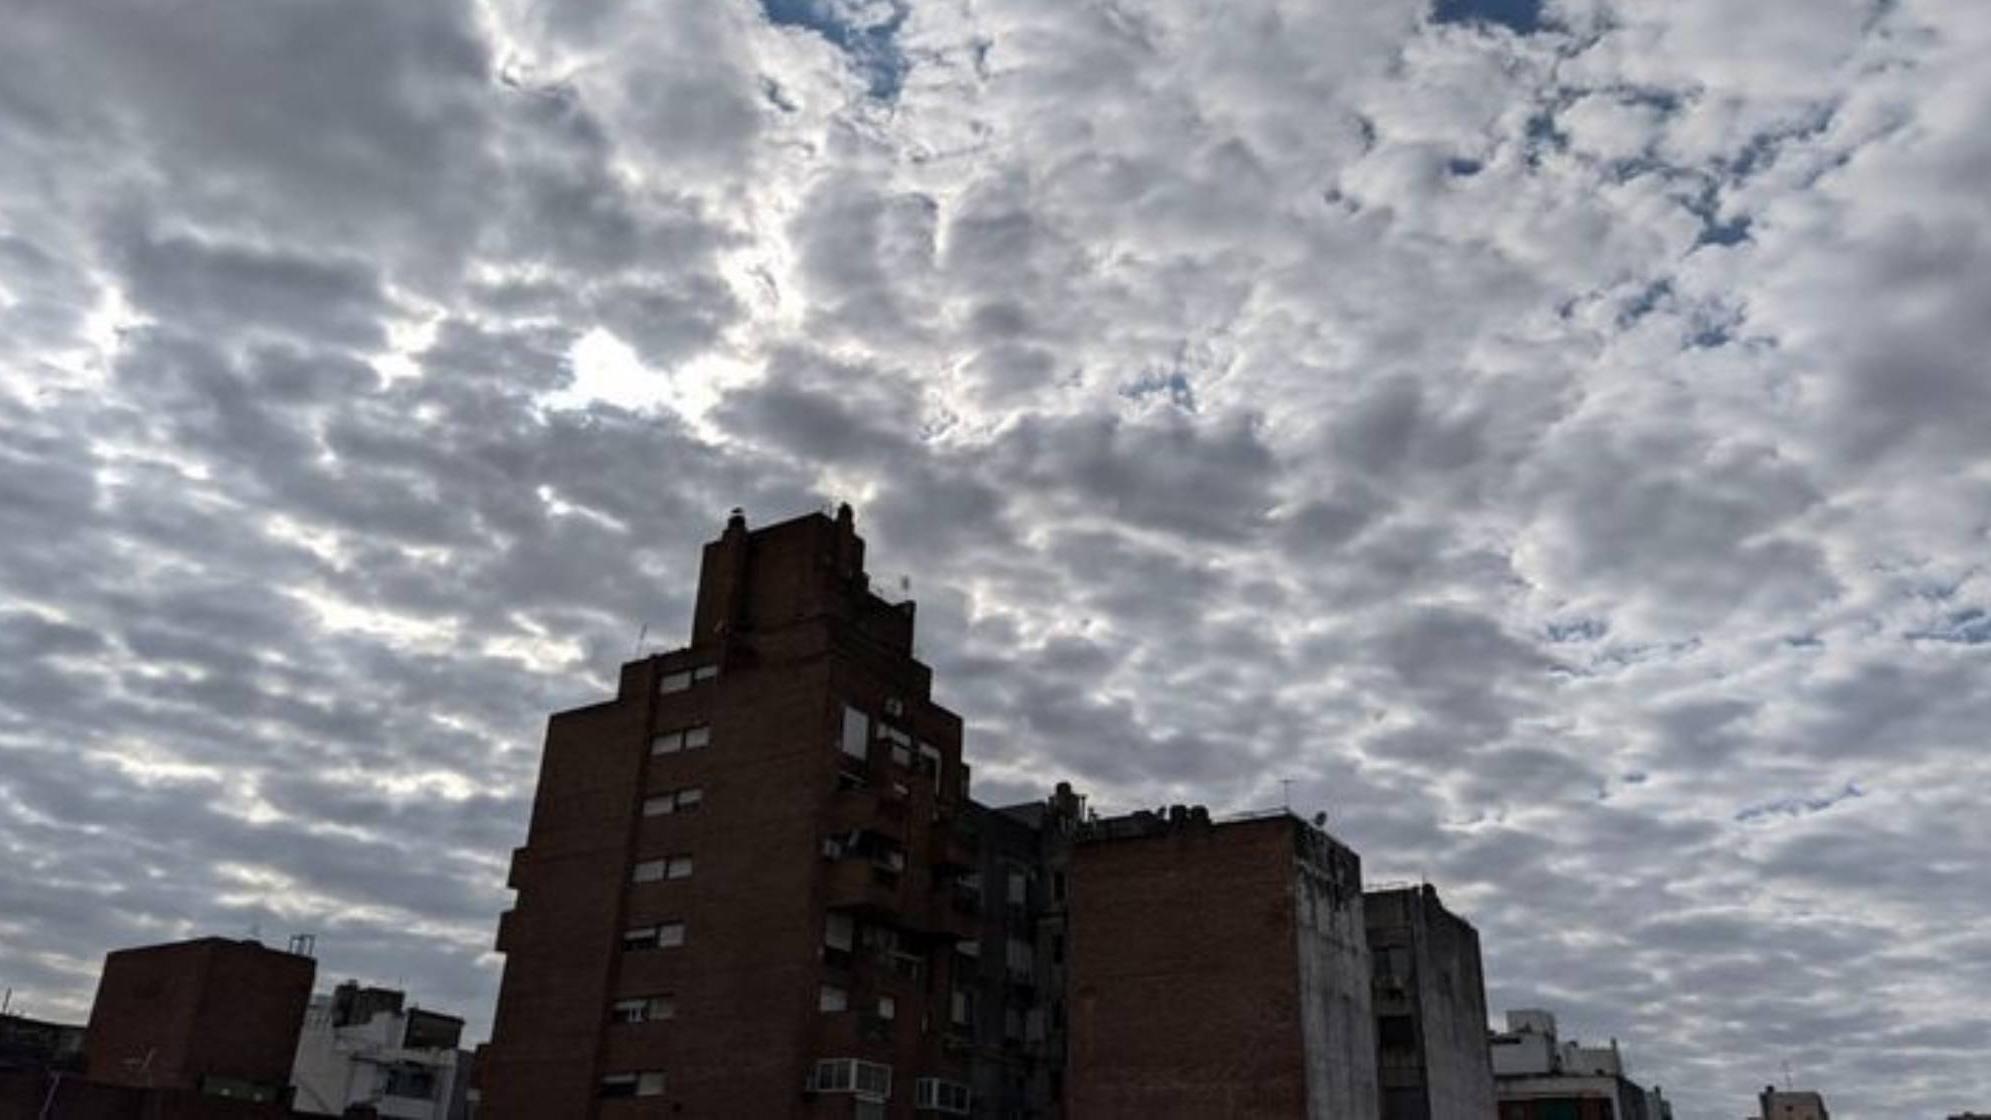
(1057, 886)
(411, 1082)
(901, 756)
(650, 1084)
(1019, 888)
(673, 801)
(940, 1095)
(888, 1008)
(851, 1075)
(643, 1009)
(1022, 959)
(856, 732)
(929, 763)
(685, 678)
(839, 931)
(961, 1008)
(677, 867)
(832, 998)
(647, 871)
(664, 936)
(618, 1085)
(683, 739)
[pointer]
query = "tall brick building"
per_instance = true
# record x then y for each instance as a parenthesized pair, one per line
(744, 877)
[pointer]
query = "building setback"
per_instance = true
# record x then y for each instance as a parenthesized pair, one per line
(739, 891)
(1217, 970)
(1430, 1002)
(215, 1017)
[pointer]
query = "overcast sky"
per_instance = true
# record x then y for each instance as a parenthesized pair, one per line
(1554, 439)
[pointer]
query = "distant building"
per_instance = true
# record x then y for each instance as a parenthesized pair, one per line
(1539, 1076)
(212, 1016)
(32, 1044)
(1430, 1004)
(1789, 1104)
(362, 1047)
(1217, 969)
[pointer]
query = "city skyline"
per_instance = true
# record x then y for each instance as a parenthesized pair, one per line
(1547, 438)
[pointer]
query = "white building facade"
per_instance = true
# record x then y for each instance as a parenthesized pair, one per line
(361, 1047)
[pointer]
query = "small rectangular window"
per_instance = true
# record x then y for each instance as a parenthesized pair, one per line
(704, 673)
(659, 1008)
(960, 1008)
(888, 1008)
(839, 931)
(856, 732)
(832, 998)
(674, 682)
(660, 805)
(689, 799)
(1019, 888)
(678, 867)
(640, 937)
(650, 1084)
(683, 739)
(618, 1085)
(670, 934)
(901, 756)
(630, 1011)
(647, 871)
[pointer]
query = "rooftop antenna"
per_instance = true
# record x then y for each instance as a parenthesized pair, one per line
(640, 635)
(1788, 1085)
(1286, 789)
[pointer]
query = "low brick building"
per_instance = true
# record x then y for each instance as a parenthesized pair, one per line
(1218, 970)
(211, 1016)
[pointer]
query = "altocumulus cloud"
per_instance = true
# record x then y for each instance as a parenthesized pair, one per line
(1551, 435)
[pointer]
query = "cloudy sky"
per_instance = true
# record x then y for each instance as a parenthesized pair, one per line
(1553, 438)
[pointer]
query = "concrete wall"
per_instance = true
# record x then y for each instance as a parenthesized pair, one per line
(1337, 1023)
(1451, 993)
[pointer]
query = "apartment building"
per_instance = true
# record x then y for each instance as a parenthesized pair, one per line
(1430, 1002)
(741, 892)
(1538, 1075)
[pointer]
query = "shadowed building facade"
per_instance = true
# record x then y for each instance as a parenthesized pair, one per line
(1430, 1000)
(741, 889)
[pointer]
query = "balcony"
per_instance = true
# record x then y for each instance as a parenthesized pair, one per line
(864, 888)
(869, 810)
(952, 851)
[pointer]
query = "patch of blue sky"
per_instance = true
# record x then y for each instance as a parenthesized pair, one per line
(866, 31)
(1790, 808)
(1521, 16)
(1970, 627)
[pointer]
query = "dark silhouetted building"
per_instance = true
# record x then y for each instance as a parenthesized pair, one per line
(32, 1044)
(213, 1016)
(739, 894)
(1217, 970)
(1430, 1002)
(1790, 1104)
